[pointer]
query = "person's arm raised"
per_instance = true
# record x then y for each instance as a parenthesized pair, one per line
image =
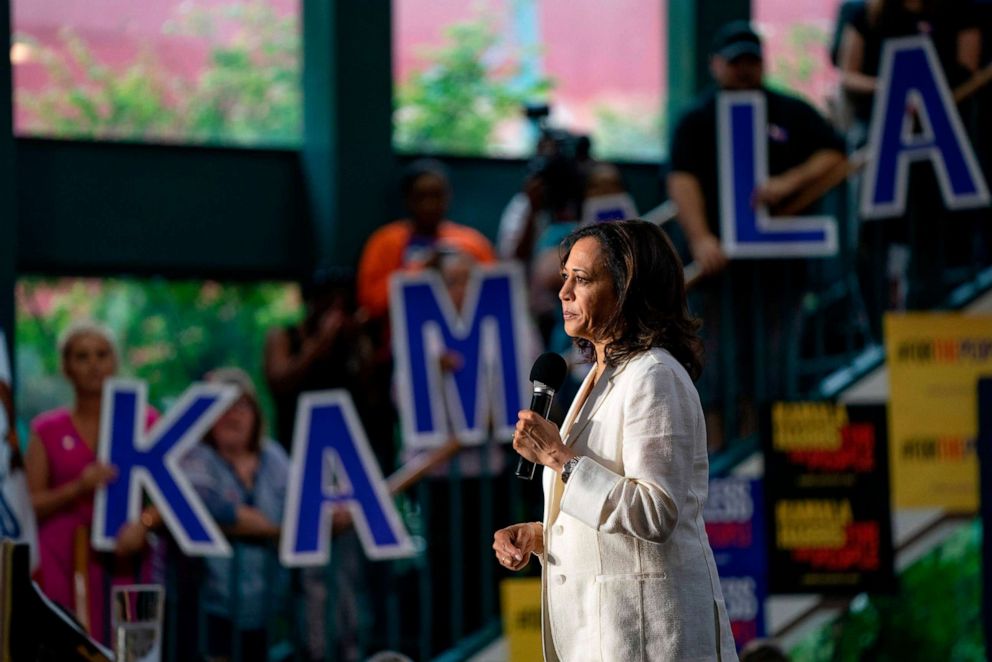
(850, 61)
(285, 371)
(969, 49)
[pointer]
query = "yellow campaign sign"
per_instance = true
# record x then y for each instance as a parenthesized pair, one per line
(521, 606)
(934, 362)
(807, 426)
(805, 523)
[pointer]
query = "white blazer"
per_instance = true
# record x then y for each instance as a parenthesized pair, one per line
(628, 573)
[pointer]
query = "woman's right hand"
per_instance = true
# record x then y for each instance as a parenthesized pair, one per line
(96, 474)
(514, 544)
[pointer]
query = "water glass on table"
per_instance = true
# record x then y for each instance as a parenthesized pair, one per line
(136, 622)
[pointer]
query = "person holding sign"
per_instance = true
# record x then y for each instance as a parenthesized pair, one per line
(890, 245)
(736, 297)
(628, 573)
(241, 477)
(332, 347)
(63, 473)
(801, 145)
(951, 25)
(416, 242)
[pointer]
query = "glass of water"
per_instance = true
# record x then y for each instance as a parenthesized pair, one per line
(136, 621)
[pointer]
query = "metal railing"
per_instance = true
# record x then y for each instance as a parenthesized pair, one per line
(419, 607)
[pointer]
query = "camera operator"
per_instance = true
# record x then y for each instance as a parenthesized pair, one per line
(548, 206)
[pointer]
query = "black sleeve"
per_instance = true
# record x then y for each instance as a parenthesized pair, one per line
(982, 15)
(815, 132)
(965, 15)
(849, 12)
(685, 155)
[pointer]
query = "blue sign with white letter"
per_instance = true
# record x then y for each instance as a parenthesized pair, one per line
(488, 337)
(915, 119)
(748, 231)
(10, 527)
(734, 516)
(151, 461)
(333, 464)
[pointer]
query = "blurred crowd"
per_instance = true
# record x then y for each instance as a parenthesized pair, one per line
(774, 328)
(754, 312)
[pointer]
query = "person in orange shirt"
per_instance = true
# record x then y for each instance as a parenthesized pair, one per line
(418, 241)
(423, 240)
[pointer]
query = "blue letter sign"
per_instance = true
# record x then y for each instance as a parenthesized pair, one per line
(735, 525)
(152, 461)
(913, 94)
(10, 527)
(746, 231)
(489, 338)
(333, 464)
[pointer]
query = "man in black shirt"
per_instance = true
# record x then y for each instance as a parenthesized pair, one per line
(754, 304)
(802, 147)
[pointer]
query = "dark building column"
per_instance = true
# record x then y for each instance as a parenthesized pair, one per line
(8, 208)
(347, 155)
(691, 26)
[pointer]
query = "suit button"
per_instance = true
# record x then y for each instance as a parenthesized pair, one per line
(560, 579)
(552, 560)
(559, 529)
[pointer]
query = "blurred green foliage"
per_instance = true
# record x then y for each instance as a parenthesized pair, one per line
(470, 85)
(629, 136)
(935, 615)
(804, 60)
(169, 332)
(107, 104)
(249, 91)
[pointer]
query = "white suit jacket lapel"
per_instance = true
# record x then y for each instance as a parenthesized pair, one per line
(595, 400)
(573, 409)
(575, 422)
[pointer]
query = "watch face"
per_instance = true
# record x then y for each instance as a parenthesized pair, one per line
(566, 471)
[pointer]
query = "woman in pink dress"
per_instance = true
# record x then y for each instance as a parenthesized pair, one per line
(63, 472)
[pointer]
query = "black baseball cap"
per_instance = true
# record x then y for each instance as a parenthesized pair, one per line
(736, 39)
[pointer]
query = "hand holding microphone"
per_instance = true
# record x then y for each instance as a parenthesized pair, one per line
(536, 438)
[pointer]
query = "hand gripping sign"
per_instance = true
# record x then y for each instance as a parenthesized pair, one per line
(749, 231)
(489, 337)
(333, 464)
(915, 119)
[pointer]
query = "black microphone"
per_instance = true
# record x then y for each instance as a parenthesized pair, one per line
(548, 374)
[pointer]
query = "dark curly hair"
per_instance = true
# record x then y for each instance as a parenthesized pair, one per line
(650, 287)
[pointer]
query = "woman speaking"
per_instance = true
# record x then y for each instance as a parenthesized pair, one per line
(628, 573)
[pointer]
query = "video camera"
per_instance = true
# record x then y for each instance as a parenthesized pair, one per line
(554, 142)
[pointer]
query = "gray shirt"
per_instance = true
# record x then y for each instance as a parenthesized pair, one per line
(251, 585)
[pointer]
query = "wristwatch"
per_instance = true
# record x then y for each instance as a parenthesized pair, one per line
(568, 468)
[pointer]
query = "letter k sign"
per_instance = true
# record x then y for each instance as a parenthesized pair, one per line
(151, 461)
